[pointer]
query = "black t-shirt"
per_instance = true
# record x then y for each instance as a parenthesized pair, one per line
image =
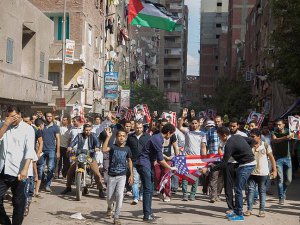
(38, 134)
(167, 150)
(118, 160)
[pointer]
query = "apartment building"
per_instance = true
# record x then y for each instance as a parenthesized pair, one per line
(214, 17)
(25, 47)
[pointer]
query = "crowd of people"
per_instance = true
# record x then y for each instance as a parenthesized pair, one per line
(132, 157)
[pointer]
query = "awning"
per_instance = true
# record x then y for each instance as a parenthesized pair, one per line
(291, 108)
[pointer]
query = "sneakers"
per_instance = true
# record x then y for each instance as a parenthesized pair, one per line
(66, 191)
(236, 218)
(150, 219)
(248, 213)
(167, 199)
(230, 215)
(135, 202)
(192, 198)
(185, 198)
(48, 189)
(281, 201)
(101, 194)
(141, 198)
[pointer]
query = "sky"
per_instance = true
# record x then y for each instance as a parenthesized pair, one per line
(193, 37)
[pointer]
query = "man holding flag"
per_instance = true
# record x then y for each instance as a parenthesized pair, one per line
(152, 152)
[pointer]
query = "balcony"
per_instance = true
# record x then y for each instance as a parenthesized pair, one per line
(172, 56)
(55, 52)
(172, 44)
(173, 66)
(16, 86)
(172, 78)
(173, 33)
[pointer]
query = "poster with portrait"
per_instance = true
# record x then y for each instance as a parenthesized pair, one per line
(141, 113)
(202, 114)
(124, 113)
(171, 117)
(77, 110)
(257, 117)
(294, 127)
(125, 98)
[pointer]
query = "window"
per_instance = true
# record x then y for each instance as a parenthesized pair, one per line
(218, 25)
(58, 27)
(217, 57)
(219, 3)
(9, 50)
(216, 68)
(42, 64)
(167, 51)
(54, 77)
(89, 35)
(217, 36)
(167, 85)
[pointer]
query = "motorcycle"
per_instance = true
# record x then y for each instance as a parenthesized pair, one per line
(83, 160)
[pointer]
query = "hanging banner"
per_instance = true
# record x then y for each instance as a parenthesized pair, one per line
(70, 49)
(111, 85)
(125, 98)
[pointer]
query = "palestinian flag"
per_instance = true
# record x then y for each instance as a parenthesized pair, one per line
(150, 14)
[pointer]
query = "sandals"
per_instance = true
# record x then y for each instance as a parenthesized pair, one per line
(117, 222)
(248, 213)
(38, 196)
(261, 214)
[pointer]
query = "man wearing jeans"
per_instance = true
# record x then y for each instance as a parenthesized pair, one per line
(152, 152)
(16, 152)
(136, 141)
(239, 148)
(282, 154)
(51, 149)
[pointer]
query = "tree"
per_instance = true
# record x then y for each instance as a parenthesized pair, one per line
(233, 97)
(150, 95)
(286, 38)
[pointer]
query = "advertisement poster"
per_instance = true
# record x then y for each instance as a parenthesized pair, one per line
(70, 49)
(125, 98)
(111, 85)
(294, 127)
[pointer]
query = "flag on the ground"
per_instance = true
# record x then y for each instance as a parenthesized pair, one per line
(150, 14)
(188, 165)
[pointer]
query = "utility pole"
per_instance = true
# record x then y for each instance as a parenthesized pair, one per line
(62, 91)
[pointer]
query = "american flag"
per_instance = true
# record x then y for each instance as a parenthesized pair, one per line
(188, 165)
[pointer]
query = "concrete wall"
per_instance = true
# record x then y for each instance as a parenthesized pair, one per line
(21, 80)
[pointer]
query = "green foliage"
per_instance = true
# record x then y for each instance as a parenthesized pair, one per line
(286, 40)
(232, 97)
(150, 95)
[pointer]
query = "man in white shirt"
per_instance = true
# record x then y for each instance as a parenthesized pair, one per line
(16, 152)
(76, 129)
(195, 144)
(64, 161)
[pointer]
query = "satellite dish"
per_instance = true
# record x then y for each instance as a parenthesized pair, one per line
(146, 54)
(138, 50)
(112, 54)
(80, 80)
(133, 42)
(150, 46)
(127, 59)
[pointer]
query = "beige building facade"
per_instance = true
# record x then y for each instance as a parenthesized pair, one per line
(25, 46)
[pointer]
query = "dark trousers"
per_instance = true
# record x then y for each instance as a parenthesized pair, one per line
(147, 179)
(215, 184)
(229, 180)
(18, 200)
(64, 162)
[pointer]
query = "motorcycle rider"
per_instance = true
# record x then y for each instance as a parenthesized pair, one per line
(86, 141)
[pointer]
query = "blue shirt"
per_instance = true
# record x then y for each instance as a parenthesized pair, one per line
(118, 160)
(152, 151)
(49, 137)
(213, 141)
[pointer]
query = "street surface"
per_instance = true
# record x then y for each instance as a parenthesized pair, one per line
(57, 209)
